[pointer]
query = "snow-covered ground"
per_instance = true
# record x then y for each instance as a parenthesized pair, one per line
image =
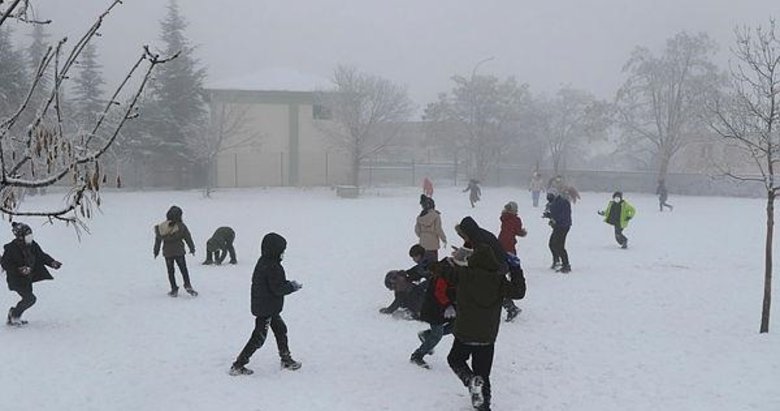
(669, 324)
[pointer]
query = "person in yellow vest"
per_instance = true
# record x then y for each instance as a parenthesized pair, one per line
(618, 213)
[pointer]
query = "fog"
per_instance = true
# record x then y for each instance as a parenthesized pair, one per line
(419, 43)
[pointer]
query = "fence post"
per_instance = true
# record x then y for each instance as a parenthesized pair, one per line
(414, 173)
(235, 169)
(327, 177)
(281, 168)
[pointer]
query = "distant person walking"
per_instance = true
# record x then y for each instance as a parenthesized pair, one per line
(475, 192)
(618, 213)
(427, 187)
(558, 211)
(663, 195)
(536, 186)
(428, 228)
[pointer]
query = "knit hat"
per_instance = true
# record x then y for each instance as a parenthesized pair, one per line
(20, 229)
(511, 207)
(617, 194)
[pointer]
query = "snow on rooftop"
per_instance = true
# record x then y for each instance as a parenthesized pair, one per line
(276, 79)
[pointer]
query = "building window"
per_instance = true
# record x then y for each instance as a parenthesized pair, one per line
(320, 112)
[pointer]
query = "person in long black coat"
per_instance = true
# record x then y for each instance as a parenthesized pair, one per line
(24, 263)
(269, 286)
(475, 235)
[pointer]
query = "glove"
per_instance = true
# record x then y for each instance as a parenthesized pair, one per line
(296, 285)
(192, 251)
(384, 310)
(601, 212)
(523, 233)
(449, 313)
(56, 264)
(25, 270)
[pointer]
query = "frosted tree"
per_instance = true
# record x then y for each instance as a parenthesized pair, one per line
(13, 74)
(482, 116)
(228, 130)
(748, 117)
(178, 99)
(88, 100)
(366, 112)
(40, 152)
(660, 106)
(569, 121)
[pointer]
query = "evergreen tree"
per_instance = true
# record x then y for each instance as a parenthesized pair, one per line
(178, 96)
(88, 100)
(35, 53)
(14, 81)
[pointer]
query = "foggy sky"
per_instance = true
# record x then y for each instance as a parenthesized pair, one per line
(419, 43)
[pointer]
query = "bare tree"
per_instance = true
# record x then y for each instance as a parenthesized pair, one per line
(748, 118)
(661, 103)
(228, 130)
(481, 116)
(41, 152)
(569, 121)
(366, 112)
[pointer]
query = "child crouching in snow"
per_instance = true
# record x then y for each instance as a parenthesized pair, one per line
(269, 286)
(408, 286)
(438, 310)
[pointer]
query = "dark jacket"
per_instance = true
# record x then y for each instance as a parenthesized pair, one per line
(410, 298)
(222, 238)
(17, 254)
(172, 236)
(560, 212)
(479, 292)
(478, 235)
(269, 283)
(439, 295)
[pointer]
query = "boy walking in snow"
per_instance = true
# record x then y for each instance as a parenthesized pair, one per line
(618, 213)
(480, 288)
(437, 310)
(172, 234)
(558, 211)
(269, 286)
(220, 245)
(24, 263)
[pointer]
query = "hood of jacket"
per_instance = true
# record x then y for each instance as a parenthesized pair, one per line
(470, 228)
(174, 214)
(273, 246)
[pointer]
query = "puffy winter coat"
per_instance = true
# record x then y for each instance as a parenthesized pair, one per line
(479, 292)
(172, 236)
(269, 282)
(17, 254)
(439, 295)
(627, 212)
(511, 226)
(428, 229)
(560, 212)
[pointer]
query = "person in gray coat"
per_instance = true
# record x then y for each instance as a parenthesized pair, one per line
(172, 234)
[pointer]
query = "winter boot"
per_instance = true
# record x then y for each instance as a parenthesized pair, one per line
(512, 313)
(191, 292)
(15, 321)
(475, 388)
(208, 262)
(419, 361)
(555, 265)
(174, 292)
(564, 269)
(625, 244)
(422, 335)
(288, 363)
(239, 370)
(234, 262)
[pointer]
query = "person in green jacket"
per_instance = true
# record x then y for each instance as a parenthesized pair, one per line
(220, 245)
(480, 290)
(618, 213)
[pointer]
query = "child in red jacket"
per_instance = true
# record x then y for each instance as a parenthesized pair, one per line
(511, 227)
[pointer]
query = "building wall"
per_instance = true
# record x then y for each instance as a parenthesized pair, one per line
(290, 149)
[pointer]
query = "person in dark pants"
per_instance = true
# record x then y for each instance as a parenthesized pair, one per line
(24, 263)
(220, 245)
(269, 286)
(663, 195)
(558, 211)
(474, 235)
(479, 292)
(172, 234)
(618, 213)
(438, 310)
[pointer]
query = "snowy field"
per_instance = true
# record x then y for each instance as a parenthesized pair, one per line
(669, 324)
